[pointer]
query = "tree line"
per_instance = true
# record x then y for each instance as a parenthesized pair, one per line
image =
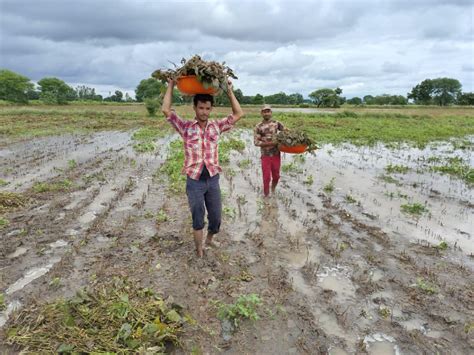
(17, 88)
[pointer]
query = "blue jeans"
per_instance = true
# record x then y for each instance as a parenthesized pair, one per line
(202, 195)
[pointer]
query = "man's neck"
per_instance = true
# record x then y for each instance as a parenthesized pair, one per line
(202, 124)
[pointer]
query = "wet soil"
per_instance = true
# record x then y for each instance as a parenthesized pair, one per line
(340, 270)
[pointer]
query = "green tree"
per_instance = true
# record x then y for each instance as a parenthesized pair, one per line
(421, 93)
(327, 97)
(445, 91)
(466, 98)
(368, 100)
(257, 99)
(14, 87)
(355, 101)
(295, 99)
(86, 93)
(55, 91)
(149, 88)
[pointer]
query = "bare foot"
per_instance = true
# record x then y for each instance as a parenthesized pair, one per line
(198, 244)
(211, 243)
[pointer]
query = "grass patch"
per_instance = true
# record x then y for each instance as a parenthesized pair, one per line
(4, 222)
(399, 169)
(456, 167)
(144, 147)
(63, 185)
(389, 179)
(415, 125)
(145, 139)
(329, 187)
(116, 317)
(426, 286)
(244, 308)
(3, 183)
(414, 208)
(161, 216)
(173, 166)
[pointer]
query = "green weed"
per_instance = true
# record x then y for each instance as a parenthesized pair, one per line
(350, 199)
(329, 188)
(244, 308)
(426, 286)
(63, 185)
(117, 316)
(4, 222)
(414, 208)
(72, 164)
(400, 169)
(161, 216)
(3, 183)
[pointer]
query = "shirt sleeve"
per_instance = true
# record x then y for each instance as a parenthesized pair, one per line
(257, 137)
(226, 124)
(177, 122)
(280, 127)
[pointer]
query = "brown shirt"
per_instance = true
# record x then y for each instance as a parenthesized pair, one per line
(263, 133)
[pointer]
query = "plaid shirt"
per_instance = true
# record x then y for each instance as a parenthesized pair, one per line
(263, 133)
(200, 146)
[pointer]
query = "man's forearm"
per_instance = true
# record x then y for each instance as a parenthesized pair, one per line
(236, 109)
(167, 99)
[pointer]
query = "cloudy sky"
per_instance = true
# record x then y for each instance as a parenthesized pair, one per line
(363, 46)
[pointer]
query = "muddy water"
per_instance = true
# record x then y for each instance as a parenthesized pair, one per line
(347, 276)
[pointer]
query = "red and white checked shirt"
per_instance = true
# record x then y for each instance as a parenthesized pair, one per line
(200, 146)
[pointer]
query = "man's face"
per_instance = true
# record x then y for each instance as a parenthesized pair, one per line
(266, 114)
(203, 110)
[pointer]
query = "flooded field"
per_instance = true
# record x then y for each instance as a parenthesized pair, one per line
(360, 250)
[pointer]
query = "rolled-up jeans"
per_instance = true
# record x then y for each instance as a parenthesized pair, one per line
(205, 195)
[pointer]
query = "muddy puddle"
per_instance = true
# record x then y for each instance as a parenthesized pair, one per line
(340, 266)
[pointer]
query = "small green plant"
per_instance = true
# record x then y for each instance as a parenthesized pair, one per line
(442, 246)
(229, 211)
(389, 179)
(161, 216)
(245, 163)
(152, 105)
(63, 185)
(330, 186)
(2, 302)
(291, 167)
(468, 327)
(384, 312)
(309, 180)
(148, 214)
(414, 208)
(244, 308)
(144, 147)
(3, 222)
(55, 283)
(72, 164)
(3, 182)
(400, 169)
(350, 199)
(426, 286)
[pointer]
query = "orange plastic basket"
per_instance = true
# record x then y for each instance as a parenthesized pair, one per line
(297, 149)
(190, 85)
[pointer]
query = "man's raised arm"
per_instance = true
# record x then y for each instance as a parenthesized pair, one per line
(167, 99)
(236, 109)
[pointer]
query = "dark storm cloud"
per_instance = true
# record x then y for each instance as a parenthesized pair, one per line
(272, 45)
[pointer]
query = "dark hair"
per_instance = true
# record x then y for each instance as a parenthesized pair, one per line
(203, 98)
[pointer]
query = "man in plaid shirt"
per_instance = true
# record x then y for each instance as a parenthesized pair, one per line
(201, 159)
